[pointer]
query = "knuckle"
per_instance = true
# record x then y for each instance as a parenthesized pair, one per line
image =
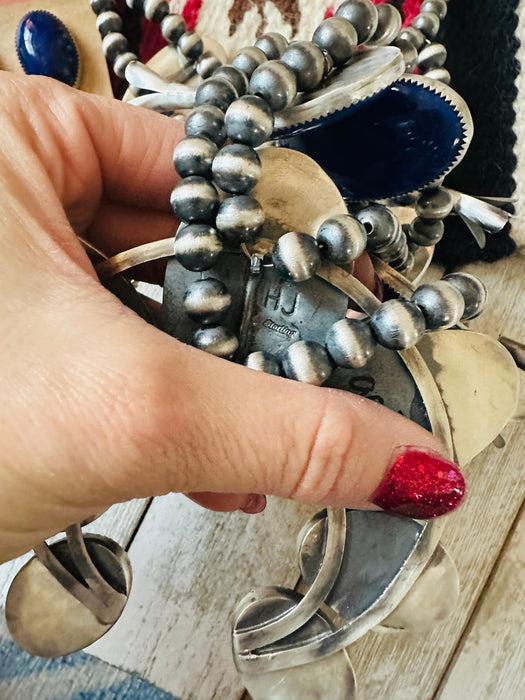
(329, 471)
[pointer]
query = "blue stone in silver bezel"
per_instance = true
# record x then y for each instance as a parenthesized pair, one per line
(45, 46)
(377, 133)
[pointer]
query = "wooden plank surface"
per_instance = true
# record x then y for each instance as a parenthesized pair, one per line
(492, 651)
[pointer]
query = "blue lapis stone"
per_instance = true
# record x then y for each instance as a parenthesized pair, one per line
(395, 142)
(45, 47)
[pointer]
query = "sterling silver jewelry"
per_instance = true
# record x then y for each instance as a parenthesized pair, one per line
(281, 306)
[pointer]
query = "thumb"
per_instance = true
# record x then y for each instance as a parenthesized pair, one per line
(206, 424)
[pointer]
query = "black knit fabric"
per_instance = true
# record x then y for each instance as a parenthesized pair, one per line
(480, 36)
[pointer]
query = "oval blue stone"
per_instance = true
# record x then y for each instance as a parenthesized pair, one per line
(393, 143)
(45, 47)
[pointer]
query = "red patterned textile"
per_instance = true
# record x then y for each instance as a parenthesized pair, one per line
(152, 40)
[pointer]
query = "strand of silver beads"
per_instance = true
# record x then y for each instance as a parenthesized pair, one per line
(173, 27)
(396, 244)
(233, 115)
(422, 52)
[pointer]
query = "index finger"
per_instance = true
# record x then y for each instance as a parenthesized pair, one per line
(135, 151)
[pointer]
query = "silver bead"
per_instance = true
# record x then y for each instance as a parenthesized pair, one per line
(218, 341)
(438, 7)
(236, 168)
(156, 10)
(381, 226)
(108, 22)
(350, 343)
(440, 74)
(343, 238)
(190, 45)
(296, 256)
(306, 60)
(362, 15)
(405, 261)
(328, 62)
(414, 36)
(398, 324)
(272, 44)
(197, 246)
(275, 83)
(428, 23)
(239, 219)
(215, 91)
(172, 28)
(435, 204)
(338, 37)
(207, 301)
(248, 59)
(408, 264)
(249, 120)
(207, 65)
(194, 156)
(388, 25)
(99, 6)
(473, 291)
(263, 362)
(135, 4)
(113, 45)
(396, 251)
(195, 199)
(121, 63)
(441, 303)
(208, 121)
(424, 232)
(409, 52)
(234, 76)
(432, 56)
(306, 361)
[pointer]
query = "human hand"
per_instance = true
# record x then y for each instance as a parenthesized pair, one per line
(100, 407)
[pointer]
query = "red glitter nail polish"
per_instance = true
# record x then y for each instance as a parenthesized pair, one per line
(420, 485)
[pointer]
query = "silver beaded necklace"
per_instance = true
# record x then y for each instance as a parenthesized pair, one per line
(272, 72)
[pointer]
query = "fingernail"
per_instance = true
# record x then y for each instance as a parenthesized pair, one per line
(420, 485)
(255, 503)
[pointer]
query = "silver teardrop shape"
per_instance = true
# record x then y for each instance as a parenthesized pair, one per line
(46, 618)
